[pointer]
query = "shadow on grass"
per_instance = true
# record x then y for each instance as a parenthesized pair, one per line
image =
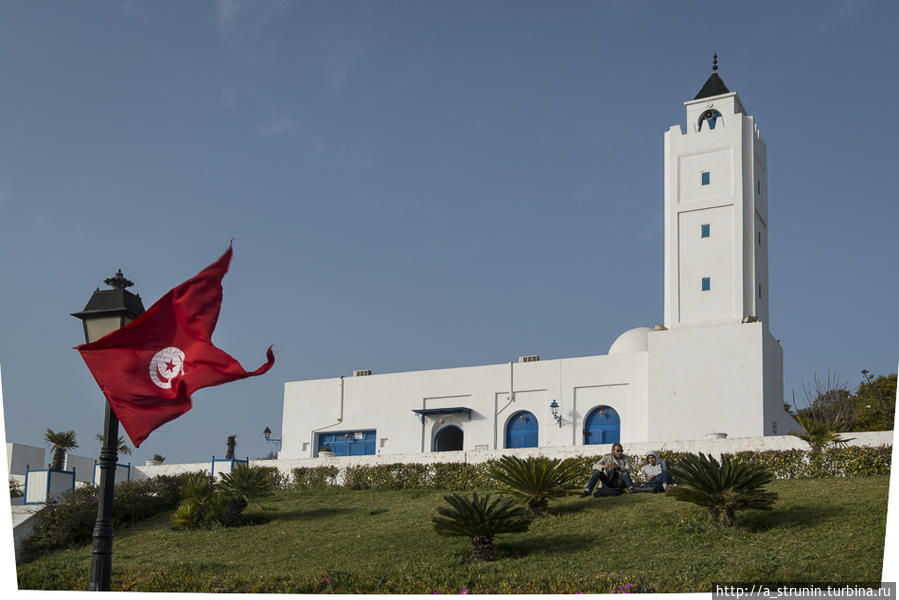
(794, 516)
(557, 544)
(309, 515)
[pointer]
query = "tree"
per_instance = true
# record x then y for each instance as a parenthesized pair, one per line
(875, 402)
(826, 412)
(478, 518)
(121, 443)
(723, 488)
(536, 479)
(60, 442)
(232, 443)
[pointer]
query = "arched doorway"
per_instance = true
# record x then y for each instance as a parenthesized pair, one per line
(602, 426)
(521, 430)
(448, 439)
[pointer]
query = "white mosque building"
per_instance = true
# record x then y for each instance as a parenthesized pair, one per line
(714, 368)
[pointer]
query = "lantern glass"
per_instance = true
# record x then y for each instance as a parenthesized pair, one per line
(99, 326)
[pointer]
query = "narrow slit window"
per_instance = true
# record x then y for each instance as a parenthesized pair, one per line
(760, 238)
(704, 230)
(759, 186)
(760, 290)
(705, 177)
(706, 284)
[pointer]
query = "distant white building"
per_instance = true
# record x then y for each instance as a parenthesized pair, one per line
(713, 369)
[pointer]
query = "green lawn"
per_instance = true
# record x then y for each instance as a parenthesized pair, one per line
(340, 540)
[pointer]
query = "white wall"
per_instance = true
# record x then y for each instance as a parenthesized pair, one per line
(20, 456)
(385, 403)
(83, 466)
(707, 379)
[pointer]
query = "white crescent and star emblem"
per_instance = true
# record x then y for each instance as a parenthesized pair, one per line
(166, 364)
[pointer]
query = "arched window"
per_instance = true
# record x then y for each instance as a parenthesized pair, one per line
(602, 426)
(448, 439)
(521, 430)
(710, 115)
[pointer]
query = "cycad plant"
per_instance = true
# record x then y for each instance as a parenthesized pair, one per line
(479, 518)
(200, 503)
(60, 442)
(723, 488)
(249, 483)
(536, 479)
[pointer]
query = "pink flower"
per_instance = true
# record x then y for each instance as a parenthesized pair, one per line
(464, 592)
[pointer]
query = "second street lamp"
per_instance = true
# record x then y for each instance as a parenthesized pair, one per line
(106, 311)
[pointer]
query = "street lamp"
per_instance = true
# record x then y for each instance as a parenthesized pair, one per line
(106, 311)
(554, 407)
(268, 435)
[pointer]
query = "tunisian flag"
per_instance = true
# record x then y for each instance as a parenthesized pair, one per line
(149, 368)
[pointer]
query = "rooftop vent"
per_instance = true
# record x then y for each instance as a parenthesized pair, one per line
(361, 373)
(532, 358)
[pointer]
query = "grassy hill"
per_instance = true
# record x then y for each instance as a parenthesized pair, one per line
(337, 540)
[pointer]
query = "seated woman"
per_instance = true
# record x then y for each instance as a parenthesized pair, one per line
(656, 477)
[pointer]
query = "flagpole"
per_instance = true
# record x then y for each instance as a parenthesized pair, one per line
(106, 311)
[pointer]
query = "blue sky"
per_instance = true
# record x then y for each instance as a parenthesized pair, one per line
(417, 184)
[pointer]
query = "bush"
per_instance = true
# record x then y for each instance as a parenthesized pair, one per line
(276, 479)
(70, 521)
(314, 477)
(536, 479)
(723, 488)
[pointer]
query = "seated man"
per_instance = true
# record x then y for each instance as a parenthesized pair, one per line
(612, 471)
(656, 477)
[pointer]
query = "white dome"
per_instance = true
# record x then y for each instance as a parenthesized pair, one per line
(632, 340)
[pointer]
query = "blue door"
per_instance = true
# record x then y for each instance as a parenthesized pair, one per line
(348, 443)
(521, 430)
(602, 426)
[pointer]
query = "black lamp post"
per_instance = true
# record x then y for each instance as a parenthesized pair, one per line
(106, 311)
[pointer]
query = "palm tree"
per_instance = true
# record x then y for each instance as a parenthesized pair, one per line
(536, 479)
(722, 488)
(60, 442)
(232, 443)
(123, 446)
(249, 483)
(481, 520)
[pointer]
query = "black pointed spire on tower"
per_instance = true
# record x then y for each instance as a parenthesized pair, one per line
(714, 85)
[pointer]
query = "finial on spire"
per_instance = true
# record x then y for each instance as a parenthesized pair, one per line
(119, 281)
(715, 62)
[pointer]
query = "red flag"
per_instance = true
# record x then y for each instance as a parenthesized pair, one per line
(149, 368)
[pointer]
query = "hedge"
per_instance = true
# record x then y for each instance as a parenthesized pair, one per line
(70, 521)
(785, 464)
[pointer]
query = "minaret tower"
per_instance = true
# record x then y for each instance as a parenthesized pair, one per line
(716, 213)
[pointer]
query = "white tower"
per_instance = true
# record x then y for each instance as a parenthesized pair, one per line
(716, 213)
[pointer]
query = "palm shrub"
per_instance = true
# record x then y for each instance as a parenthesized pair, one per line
(204, 504)
(536, 479)
(249, 483)
(722, 488)
(479, 519)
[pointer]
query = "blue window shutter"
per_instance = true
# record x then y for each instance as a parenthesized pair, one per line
(706, 284)
(706, 178)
